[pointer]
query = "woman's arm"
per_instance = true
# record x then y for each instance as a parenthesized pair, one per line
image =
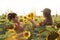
(34, 23)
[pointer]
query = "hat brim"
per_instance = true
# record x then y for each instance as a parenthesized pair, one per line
(42, 11)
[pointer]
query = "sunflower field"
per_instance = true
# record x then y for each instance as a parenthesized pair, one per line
(47, 32)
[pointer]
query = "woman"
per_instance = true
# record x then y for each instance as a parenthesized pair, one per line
(13, 17)
(47, 20)
(18, 28)
(47, 16)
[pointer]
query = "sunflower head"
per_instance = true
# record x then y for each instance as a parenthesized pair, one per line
(21, 20)
(25, 17)
(31, 16)
(7, 27)
(25, 21)
(26, 34)
(52, 36)
(59, 31)
(58, 25)
(28, 15)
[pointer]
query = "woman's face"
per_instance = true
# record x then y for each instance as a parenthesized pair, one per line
(16, 18)
(43, 14)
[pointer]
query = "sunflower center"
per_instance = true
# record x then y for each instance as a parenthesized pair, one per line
(26, 34)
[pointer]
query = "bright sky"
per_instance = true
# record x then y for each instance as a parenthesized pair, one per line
(23, 7)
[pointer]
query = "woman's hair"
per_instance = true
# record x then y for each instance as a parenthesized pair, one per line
(11, 16)
(47, 15)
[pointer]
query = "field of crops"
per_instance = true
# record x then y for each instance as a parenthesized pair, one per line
(30, 33)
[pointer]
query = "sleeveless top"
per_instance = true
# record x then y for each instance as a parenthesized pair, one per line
(18, 28)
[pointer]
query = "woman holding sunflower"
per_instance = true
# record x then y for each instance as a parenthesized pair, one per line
(18, 27)
(47, 18)
(13, 17)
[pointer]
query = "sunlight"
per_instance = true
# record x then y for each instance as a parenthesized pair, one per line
(23, 7)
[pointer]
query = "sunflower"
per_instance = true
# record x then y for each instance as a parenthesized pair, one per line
(26, 34)
(25, 22)
(7, 27)
(11, 30)
(21, 20)
(58, 25)
(31, 16)
(59, 31)
(12, 35)
(11, 38)
(25, 17)
(52, 36)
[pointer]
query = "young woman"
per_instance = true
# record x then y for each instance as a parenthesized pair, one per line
(13, 17)
(47, 18)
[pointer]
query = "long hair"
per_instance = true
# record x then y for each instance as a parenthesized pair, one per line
(47, 15)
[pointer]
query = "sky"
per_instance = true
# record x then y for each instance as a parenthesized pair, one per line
(24, 7)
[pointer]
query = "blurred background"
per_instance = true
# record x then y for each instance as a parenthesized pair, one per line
(24, 7)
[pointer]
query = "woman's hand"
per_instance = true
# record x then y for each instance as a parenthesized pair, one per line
(34, 23)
